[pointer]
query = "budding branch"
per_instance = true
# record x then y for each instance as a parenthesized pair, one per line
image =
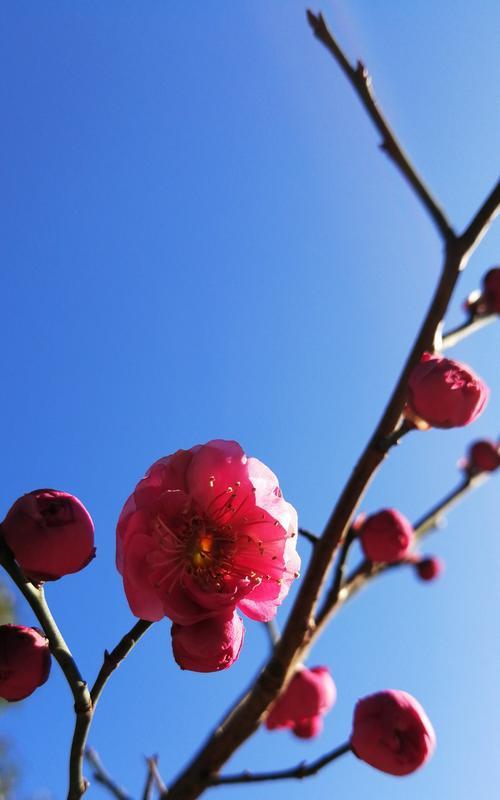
(244, 718)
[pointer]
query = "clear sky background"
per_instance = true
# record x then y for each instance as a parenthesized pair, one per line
(201, 239)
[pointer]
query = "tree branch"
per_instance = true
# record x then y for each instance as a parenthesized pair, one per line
(362, 83)
(244, 718)
(302, 770)
(311, 537)
(101, 776)
(456, 335)
(82, 726)
(62, 654)
(368, 570)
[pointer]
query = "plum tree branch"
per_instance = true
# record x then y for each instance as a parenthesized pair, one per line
(362, 84)
(101, 776)
(244, 718)
(467, 328)
(302, 770)
(62, 654)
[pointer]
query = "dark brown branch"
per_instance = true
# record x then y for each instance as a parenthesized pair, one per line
(311, 537)
(244, 718)
(101, 776)
(361, 81)
(302, 770)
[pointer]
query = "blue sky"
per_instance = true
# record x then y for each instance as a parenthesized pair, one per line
(201, 239)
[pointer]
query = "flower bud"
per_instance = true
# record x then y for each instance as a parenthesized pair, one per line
(483, 456)
(429, 568)
(445, 393)
(386, 536)
(308, 696)
(210, 645)
(24, 661)
(392, 732)
(50, 533)
(491, 291)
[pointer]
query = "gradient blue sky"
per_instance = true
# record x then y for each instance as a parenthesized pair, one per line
(201, 239)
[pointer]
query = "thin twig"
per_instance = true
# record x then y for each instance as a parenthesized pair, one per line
(151, 763)
(302, 770)
(113, 660)
(101, 776)
(244, 718)
(456, 335)
(311, 537)
(82, 726)
(362, 83)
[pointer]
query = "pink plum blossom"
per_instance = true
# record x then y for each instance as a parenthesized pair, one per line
(301, 707)
(386, 536)
(24, 661)
(210, 645)
(207, 531)
(392, 732)
(445, 393)
(50, 533)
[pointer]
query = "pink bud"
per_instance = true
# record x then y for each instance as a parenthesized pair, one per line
(483, 456)
(386, 536)
(50, 533)
(210, 645)
(24, 661)
(445, 393)
(392, 732)
(491, 291)
(308, 696)
(429, 568)
(308, 728)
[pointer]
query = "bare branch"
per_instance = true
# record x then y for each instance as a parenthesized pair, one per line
(470, 326)
(150, 778)
(101, 776)
(113, 660)
(302, 770)
(362, 83)
(311, 537)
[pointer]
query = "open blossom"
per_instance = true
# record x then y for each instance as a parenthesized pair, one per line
(386, 536)
(483, 456)
(301, 707)
(445, 393)
(210, 645)
(207, 530)
(24, 661)
(50, 533)
(392, 732)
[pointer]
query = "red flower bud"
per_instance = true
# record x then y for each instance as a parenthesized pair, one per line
(445, 393)
(50, 534)
(308, 696)
(491, 291)
(24, 661)
(386, 536)
(392, 732)
(429, 568)
(210, 645)
(483, 456)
